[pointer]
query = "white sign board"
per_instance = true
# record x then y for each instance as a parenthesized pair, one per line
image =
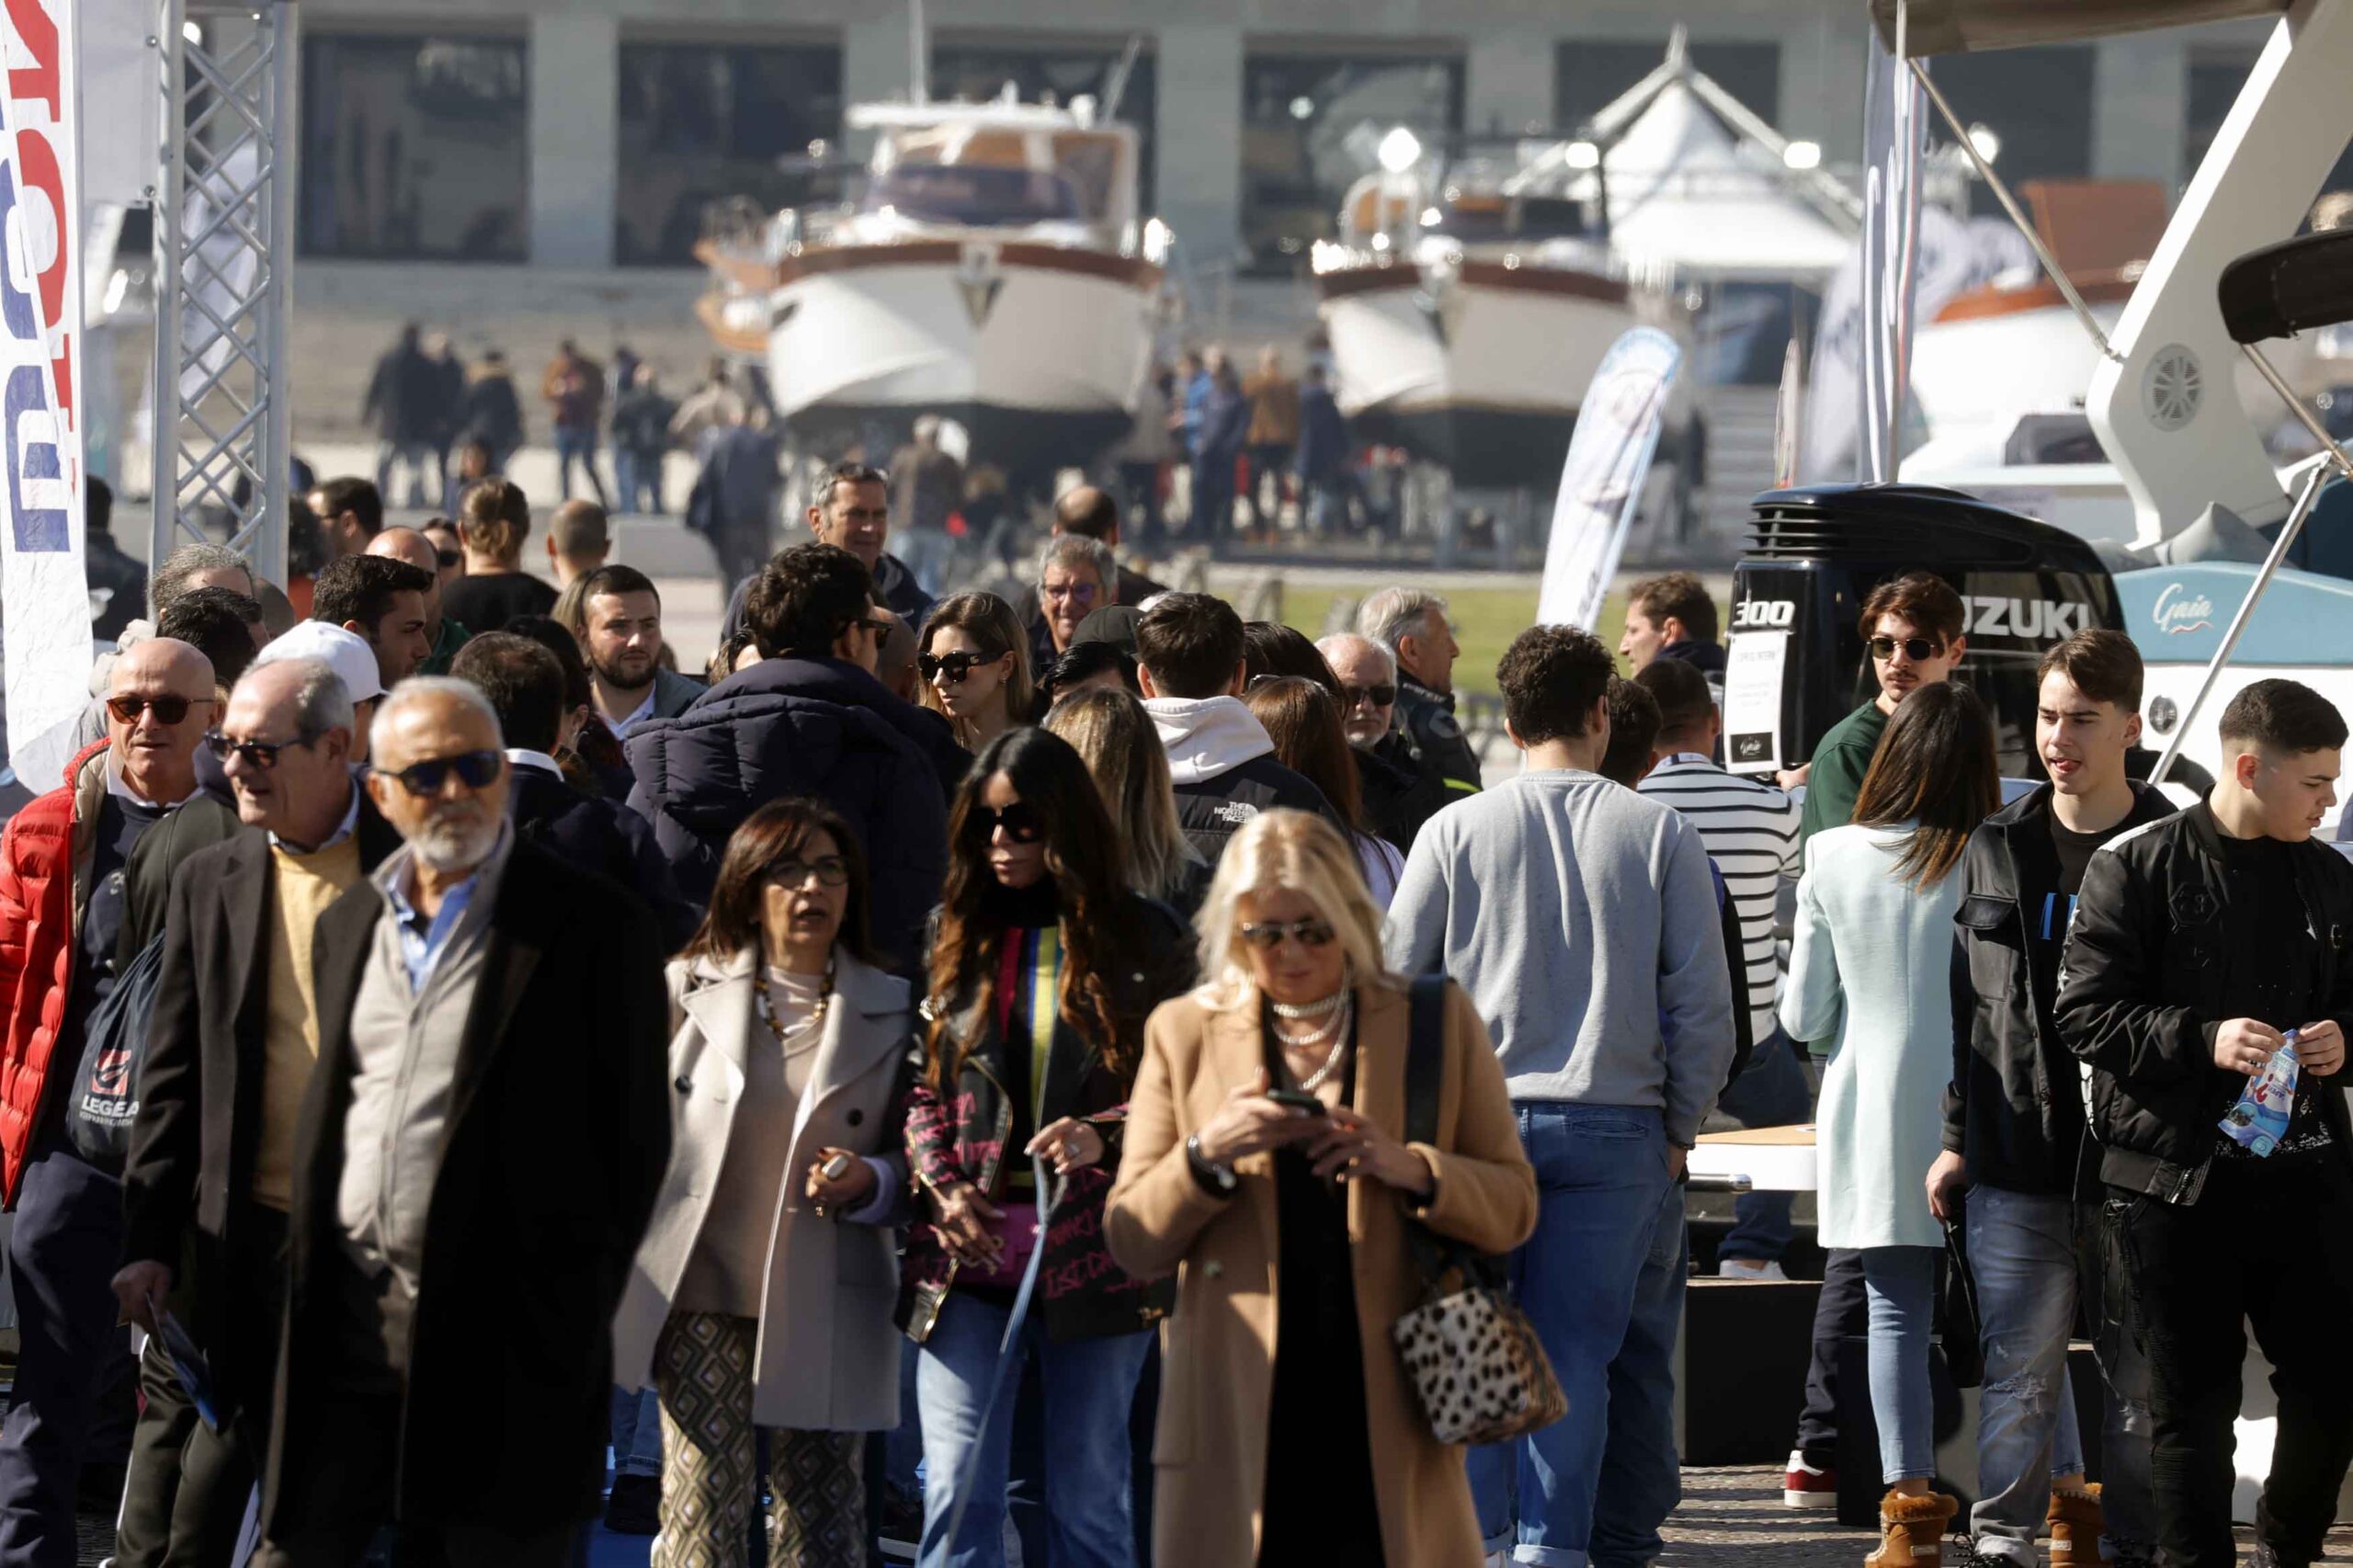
(1754, 666)
(1601, 482)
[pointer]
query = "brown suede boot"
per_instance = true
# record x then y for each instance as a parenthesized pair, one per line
(1912, 1530)
(2075, 1527)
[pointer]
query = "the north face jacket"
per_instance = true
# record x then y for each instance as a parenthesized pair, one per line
(1224, 766)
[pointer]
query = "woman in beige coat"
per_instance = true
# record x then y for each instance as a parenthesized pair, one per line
(763, 1293)
(1288, 1432)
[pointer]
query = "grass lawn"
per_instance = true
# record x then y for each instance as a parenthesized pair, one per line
(1486, 621)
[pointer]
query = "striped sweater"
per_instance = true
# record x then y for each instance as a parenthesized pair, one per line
(1751, 832)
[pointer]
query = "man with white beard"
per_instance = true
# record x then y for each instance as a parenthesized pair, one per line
(487, 1127)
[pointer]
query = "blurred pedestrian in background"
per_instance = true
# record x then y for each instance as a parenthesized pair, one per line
(404, 405)
(494, 412)
(926, 488)
(641, 418)
(574, 388)
(1272, 436)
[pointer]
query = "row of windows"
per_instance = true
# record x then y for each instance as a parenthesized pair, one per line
(418, 145)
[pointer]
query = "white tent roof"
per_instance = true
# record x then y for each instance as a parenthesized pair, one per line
(1686, 194)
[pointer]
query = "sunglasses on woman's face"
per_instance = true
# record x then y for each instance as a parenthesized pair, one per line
(1919, 650)
(168, 709)
(1269, 934)
(955, 666)
(1020, 821)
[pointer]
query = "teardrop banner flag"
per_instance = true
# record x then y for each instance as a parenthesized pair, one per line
(1601, 482)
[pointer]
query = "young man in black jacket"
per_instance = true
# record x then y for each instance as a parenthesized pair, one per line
(2198, 943)
(2014, 1117)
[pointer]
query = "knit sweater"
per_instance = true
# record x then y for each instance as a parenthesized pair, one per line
(302, 886)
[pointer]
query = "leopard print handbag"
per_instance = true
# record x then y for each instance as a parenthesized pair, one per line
(1469, 1353)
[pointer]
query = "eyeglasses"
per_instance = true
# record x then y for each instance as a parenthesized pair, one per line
(1379, 696)
(1269, 934)
(475, 770)
(831, 871)
(955, 666)
(257, 754)
(1020, 821)
(168, 709)
(1919, 650)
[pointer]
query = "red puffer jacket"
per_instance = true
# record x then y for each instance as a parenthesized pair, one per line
(45, 857)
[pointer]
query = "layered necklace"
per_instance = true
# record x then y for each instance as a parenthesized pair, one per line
(1338, 1013)
(818, 994)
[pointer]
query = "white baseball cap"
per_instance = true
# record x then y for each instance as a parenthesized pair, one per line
(345, 652)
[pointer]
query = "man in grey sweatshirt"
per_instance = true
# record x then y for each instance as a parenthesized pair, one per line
(1582, 919)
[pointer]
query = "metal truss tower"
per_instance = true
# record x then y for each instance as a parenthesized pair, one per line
(225, 252)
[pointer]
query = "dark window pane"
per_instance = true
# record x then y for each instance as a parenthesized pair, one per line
(2039, 101)
(415, 146)
(979, 71)
(704, 122)
(1587, 77)
(2215, 79)
(1300, 153)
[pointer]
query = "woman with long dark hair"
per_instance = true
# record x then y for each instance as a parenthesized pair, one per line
(1304, 723)
(1044, 966)
(1870, 974)
(973, 667)
(760, 1298)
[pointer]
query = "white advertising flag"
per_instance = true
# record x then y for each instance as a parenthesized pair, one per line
(1601, 482)
(43, 590)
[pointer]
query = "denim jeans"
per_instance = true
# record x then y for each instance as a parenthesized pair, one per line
(1600, 1176)
(577, 443)
(1900, 1283)
(1772, 1093)
(637, 1433)
(2021, 1250)
(1642, 1478)
(1089, 1385)
(637, 476)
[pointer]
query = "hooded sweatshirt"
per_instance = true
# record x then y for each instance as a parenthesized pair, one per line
(1224, 769)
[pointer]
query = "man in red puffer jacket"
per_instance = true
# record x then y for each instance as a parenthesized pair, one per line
(66, 874)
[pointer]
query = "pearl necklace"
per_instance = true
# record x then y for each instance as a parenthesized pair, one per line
(1341, 1006)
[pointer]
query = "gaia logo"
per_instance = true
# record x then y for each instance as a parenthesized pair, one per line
(2179, 610)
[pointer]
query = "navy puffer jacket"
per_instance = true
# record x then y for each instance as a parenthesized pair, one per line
(814, 727)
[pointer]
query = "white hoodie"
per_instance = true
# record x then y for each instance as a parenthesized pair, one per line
(1206, 735)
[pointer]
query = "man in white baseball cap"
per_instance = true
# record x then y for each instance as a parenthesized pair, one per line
(348, 655)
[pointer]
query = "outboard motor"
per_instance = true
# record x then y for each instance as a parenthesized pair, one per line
(1796, 664)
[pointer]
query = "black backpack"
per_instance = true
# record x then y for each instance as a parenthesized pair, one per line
(106, 1082)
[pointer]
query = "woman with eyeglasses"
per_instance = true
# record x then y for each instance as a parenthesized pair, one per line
(972, 664)
(1264, 1155)
(1870, 974)
(1304, 723)
(761, 1299)
(1044, 966)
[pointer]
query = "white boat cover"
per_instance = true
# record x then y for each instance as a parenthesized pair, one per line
(1958, 27)
(1687, 196)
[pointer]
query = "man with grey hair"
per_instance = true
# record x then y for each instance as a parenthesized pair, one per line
(197, 567)
(1397, 796)
(1412, 624)
(488, 1126)
(236, 1030)
(1076, 577)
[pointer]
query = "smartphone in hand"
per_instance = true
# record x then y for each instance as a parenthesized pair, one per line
(1298, 1100)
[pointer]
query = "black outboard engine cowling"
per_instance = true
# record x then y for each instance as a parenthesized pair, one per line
(1815, 554)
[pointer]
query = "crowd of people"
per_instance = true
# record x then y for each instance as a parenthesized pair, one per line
(1008, 1066)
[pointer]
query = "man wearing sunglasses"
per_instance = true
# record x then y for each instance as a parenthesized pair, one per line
(230, 1052)
(475, 1163)
(1912, 634)
(65, 902)
(1398, 795)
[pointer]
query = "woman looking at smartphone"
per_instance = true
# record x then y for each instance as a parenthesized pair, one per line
(761, 1295)
(1043, 969)
(1264, 1143)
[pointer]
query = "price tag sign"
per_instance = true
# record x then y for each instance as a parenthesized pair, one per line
(1754, 662)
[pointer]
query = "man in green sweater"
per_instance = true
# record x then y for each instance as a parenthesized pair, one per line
(1911, 627)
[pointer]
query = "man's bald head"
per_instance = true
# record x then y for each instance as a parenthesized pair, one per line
(411, 545)
(165, 688)
(1089, 510)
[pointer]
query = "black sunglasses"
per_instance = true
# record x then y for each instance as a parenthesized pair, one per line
(1269, 934)
(448, 558)
(956, 665)
(1020, 821)
(257, 754)
(475, 770)
(1379, 696)
(1919, 650)
(168, 709)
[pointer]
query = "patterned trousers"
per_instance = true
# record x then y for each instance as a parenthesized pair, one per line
(702, 1369)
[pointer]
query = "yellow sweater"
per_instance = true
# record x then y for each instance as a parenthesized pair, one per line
(302, 888)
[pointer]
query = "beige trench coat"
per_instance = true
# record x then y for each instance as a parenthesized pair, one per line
(828, 1354)
(1219, 1346)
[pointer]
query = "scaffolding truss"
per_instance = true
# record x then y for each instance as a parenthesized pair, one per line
(225, 247)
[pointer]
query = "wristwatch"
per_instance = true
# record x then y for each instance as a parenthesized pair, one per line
(1218, 1181)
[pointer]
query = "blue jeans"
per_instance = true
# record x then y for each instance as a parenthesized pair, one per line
(637, 1433)
(577, 443)
(1772, 1093)
(1641, 1477)
(1600, 1176)
(1900, 1287)
(638, 476)
(1089, 1386)
(2022, 1252)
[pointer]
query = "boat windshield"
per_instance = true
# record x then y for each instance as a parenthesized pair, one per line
(972, 194)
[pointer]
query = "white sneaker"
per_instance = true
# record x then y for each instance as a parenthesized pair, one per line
(1748, 1268)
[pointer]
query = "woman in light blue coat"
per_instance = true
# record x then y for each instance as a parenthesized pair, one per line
(1871, 972)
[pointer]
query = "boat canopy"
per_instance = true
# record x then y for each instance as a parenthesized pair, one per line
(1962, 27)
